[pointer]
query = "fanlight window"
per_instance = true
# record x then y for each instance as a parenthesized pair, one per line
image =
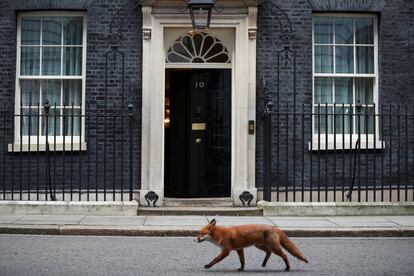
(199, 47)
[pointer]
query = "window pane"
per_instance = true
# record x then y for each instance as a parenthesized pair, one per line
(323, 123)
(72, 58)
(198, 40)
(217, 48)
(71, 122)
(343, 120)
(364, 30)
(51, 91)
(51, 61)
(72, 30)
(219, 58)
(323, 90)
(52, 30)
(30, 31)
(184, 49)
(365, 59)
(367, 120)
(343, 90)
(52, 123)
(364, 90)
(208, 42)
(29, 64)
(29, 121)
(323, 59)
(72, 91)
(343, 30)
(344, 59)
(30, 91)
(173, 57)
(323, 29)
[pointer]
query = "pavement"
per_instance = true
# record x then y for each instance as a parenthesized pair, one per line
(323, 226)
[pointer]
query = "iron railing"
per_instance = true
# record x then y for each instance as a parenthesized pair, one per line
(338, 152)
(357, 153)
(49, 153)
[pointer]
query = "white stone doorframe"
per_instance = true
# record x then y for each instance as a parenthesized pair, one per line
(243, 98)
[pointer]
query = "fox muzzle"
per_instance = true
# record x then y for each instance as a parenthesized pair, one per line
(198, 240)
(202, 238)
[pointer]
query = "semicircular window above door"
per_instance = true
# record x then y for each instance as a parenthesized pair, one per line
(198, 47)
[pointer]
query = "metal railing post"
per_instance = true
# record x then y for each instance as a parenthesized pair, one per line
(357, 146)
(48, 174)
(131, 147)
(267, 137)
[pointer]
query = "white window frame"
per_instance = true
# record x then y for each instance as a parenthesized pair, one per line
(349, 142)
(58, 142)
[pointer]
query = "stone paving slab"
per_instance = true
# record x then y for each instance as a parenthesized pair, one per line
(302, 222)
(231, 221)
(350, 226)
(9, 218)
(49, 219)
(355, 221)
(113, 220)
(175, 221)
(401, 220)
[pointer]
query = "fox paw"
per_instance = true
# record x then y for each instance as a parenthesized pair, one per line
(240, 269)
(287, 269)
(207, 266)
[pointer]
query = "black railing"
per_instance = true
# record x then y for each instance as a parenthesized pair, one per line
(61, 153)
(316, 152)
(339, 152)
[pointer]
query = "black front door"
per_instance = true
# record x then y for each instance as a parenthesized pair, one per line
(198, 133)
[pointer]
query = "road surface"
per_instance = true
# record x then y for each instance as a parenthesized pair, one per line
(81, 255)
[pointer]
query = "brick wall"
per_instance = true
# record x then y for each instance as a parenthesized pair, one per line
(290, 81)
(396, 86)
(99, 16)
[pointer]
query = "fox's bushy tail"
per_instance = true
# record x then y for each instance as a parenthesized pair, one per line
(290, 246)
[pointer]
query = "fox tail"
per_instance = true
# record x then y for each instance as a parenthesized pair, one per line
(291, 247)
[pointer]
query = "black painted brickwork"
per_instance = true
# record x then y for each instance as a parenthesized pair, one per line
(99, 16)
(396, 60)
(396, 86)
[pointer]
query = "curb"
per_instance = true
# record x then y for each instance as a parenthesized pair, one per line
(116, 208)
(76, 230)
(336, 208)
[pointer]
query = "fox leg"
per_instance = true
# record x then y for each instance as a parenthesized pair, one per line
(241, 257)
(284, 257)
(268, 253)
(278, 251)
(274, 246)
(224, 253)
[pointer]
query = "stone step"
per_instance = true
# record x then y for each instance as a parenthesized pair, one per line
(198, 202)
(199, 211)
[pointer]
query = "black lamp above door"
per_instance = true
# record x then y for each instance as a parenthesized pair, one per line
(200, 12)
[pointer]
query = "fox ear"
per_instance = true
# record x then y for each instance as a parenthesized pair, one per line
(213, 223)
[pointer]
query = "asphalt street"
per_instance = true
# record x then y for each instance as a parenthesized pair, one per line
(81, 255)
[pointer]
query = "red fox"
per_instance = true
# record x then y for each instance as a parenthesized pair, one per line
(265, 237)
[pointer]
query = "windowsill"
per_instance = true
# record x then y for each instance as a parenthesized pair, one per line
(338, 146)
(16, 148)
